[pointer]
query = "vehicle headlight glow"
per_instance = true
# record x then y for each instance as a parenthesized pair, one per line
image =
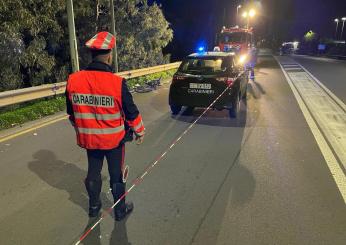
(242, 59)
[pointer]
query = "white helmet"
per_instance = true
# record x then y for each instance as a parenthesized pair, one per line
(217, 49)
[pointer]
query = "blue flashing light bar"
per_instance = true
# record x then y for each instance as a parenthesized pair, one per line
(201, 49)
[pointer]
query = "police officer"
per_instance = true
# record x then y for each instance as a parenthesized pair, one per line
(253, 62)
(100, 107)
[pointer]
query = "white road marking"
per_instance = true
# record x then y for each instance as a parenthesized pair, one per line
(325, 117)
(293, 68)
(290, 65)
(337, 100)
(35, 127)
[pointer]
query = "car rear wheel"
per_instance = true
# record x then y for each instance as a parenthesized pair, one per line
(175, 109)
(234, 111)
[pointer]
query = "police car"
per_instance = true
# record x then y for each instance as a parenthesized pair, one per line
(202, 77)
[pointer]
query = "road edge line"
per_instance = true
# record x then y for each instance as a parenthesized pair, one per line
(330, 93)
(332, 163)
(41, 125)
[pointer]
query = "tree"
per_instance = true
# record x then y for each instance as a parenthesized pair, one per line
(142, 32)
(34, 37)
(29, 31)
(11, 49)
(310, 36)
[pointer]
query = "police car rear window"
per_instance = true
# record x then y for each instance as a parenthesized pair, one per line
(205, 65)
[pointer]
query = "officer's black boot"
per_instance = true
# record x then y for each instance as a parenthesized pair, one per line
(94, 189)
(122, 209)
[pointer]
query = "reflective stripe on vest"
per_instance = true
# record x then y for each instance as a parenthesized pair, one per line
(97, 116)
(140, 133)
(100, 131)
(138, 126)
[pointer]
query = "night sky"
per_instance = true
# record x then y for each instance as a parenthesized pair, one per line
(196, 21)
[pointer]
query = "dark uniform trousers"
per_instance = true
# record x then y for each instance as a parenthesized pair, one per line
(115, 159)
(93, 181)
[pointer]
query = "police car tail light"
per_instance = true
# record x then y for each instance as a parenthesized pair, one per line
(229, 81)
(178, 78)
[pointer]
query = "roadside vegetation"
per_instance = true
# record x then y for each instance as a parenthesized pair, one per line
(31, 111)
(15, 115)
(141, 80)
(34, 47)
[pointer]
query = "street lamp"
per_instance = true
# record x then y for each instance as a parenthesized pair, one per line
(343, 24)
(72, 36)
(115, 49)
(238, 7)
(336, 30)
(248, 15)
(252, 13)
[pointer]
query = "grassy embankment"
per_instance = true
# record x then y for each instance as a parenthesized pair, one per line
(12, 116)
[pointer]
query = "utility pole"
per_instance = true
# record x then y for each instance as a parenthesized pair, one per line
(336, 30)
(72, 36)
(224, 17)
(237, 18)
(342, 29)
(115, 52)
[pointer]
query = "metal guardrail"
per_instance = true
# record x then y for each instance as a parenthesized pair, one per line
(27, 94)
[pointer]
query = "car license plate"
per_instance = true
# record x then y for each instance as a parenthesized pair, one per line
(200, 88)
(200, 85)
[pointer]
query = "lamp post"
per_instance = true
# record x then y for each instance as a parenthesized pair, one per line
(238, 7)
(336, 30)
(252, 14)
(343, 24)
(115, 49)
(248, 15)
(72, 36)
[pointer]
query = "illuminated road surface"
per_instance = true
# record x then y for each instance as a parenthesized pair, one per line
(260, 179)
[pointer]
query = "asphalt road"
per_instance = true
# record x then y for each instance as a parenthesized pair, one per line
(259, 179)
(331, 71)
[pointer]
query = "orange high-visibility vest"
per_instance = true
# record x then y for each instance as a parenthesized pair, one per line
(96, 101)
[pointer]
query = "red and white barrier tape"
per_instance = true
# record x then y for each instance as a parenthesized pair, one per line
(138, 181)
